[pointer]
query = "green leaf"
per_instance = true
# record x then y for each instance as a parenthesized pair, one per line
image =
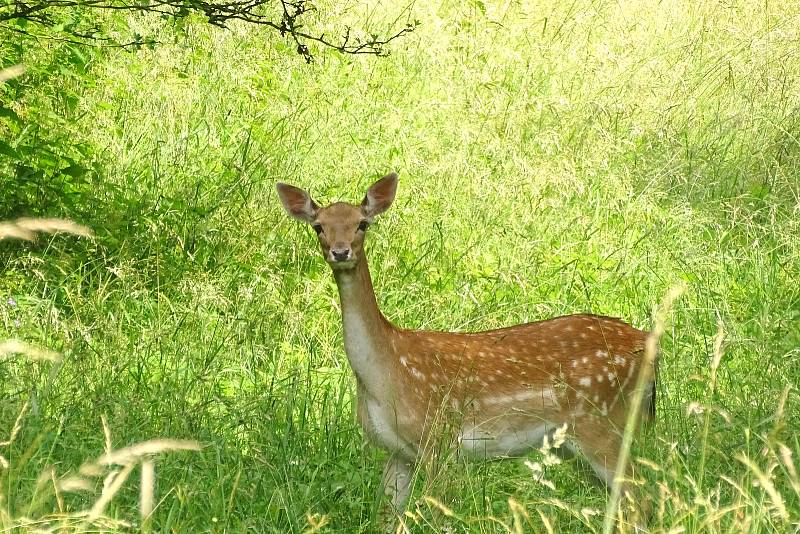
(76, 171)
(6, 149)
(10, 113)
(78, 59)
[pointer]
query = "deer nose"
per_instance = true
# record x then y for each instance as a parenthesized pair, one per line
(340, 254)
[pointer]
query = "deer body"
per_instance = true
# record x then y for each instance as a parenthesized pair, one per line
(500, 391)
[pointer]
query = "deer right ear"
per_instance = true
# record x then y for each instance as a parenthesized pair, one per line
(297, 202)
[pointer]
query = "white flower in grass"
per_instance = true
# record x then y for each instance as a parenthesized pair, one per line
(538, 474)
(559, 437)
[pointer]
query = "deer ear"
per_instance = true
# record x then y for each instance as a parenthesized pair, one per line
(380, 195)
(297, 202)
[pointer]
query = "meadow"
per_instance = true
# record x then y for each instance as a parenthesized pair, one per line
(554, 158)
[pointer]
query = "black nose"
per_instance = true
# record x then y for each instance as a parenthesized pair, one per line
(341, 254)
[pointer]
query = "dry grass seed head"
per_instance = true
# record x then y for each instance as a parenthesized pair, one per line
(316, 522)
(786, 458)
(27, 227)
(766, 484)
(10, 347)
(11, 72)
(74, 484)
(518, 512)
(131, 455)
(437, 504)
(146, 490)
(613, 508)
(111, 485)
(17, 426)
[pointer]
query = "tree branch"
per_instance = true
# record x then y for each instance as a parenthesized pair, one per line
(217, 12)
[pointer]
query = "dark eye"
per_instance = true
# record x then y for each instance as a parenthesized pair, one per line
(363, 226)
(317, 228)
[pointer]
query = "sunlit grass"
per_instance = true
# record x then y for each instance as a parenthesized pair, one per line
(552, 158)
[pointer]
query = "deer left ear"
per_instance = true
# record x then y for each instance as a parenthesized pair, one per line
(380, 195)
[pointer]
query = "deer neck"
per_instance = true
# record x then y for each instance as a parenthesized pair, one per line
(367, 334)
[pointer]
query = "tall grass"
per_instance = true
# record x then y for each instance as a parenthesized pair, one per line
(553, 158)
(114, 466)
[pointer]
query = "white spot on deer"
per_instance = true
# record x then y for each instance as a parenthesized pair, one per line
(574, 364)
(503, 399)
(599, 378)
(585, 359)
(546, 395)
(595, 398)
(601, 354)
(404, 361)
(585, 381)
(619, 360)
(611, 377)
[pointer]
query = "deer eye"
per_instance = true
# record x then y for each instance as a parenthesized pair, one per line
(363, 226)
(317, 228)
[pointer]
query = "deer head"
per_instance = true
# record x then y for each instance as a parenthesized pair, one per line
(340, 227)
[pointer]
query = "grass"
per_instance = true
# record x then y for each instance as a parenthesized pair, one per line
(553, 159)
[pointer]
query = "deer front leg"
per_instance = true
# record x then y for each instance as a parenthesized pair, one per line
(397, 481)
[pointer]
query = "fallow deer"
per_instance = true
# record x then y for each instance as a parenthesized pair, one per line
(507, 388)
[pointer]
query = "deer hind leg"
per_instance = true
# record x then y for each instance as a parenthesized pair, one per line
(396, 482)
(602, 448)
